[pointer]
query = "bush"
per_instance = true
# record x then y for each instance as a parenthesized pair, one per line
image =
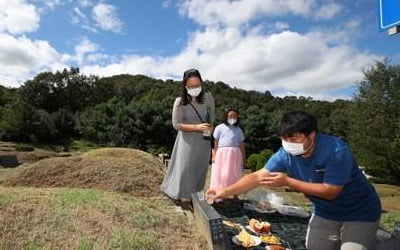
(24, 148)
(257, 161)
(82, 145)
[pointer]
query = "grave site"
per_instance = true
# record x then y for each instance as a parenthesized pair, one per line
(109, 198)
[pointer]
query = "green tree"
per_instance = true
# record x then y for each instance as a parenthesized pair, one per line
(375, 124)
(22, 122)
(139, 125)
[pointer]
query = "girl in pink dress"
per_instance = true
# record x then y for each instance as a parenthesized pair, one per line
(229, 150)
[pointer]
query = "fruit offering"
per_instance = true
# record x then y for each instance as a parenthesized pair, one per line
(245, 239)
(261, 227)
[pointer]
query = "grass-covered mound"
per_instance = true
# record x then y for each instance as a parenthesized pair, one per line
(111, 169)
(64, 218)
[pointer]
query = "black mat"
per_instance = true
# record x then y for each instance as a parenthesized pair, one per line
(290, 229)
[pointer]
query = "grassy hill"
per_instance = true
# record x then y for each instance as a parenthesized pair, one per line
(110, 169)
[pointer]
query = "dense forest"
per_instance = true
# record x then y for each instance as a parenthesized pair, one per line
(135, 111)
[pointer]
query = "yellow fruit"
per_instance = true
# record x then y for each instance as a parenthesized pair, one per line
(245, 239)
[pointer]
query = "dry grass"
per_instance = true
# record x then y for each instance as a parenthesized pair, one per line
(110, 169)
(390, 198)
(104, 199)
(61, 218)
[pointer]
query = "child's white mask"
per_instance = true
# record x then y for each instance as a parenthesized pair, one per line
(231, 121)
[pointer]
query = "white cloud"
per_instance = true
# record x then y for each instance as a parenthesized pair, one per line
(234, 13)
(85, 3)
(83, 48)
(52, 3)
(87, 52)
(286, 60)
(77, 15)
(276, 27)
(353, 24)
(166, 3)
(328, 11)
(20, 57)
(18, 16)
(281, 62)
(106, 17)
(316, 63)
(239, 12)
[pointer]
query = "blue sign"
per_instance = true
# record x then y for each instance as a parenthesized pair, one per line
(389, 13)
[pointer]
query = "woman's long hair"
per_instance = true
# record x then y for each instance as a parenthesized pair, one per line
(185, 97)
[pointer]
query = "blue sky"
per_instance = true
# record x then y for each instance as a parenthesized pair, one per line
(314, 48)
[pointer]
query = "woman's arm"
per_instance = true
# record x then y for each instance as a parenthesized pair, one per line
(177, 120)
(193, 127)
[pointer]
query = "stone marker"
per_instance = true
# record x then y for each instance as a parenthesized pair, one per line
(9, 161)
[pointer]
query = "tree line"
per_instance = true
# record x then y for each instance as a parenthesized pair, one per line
(135, 111)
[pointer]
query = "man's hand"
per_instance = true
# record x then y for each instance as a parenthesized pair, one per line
(274, 179)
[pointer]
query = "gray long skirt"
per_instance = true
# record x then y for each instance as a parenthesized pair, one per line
(187, 169)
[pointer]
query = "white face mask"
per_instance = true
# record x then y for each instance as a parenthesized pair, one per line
(294, 148)
(231, 121)
(194, 91)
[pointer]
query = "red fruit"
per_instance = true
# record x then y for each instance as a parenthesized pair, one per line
(258, 227)
(266, 227)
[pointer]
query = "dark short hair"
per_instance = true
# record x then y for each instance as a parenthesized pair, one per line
(184, 95)
(297, 122)
(231, 108)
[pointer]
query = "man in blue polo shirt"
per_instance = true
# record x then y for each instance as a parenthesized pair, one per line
(346, 207)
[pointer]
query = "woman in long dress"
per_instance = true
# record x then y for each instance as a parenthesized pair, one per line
(190, 157)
